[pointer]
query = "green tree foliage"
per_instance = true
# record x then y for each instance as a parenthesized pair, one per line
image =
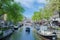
(48, 11)
(12, 9)
(42, 14)
(37, 16)
(3, 5)
(15, 12)
(54, 5)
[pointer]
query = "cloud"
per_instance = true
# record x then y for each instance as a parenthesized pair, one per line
(29, 3)
(26, 3)
(41, 1)
(31, 6)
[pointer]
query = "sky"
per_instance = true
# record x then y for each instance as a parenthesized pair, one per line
(31, 6)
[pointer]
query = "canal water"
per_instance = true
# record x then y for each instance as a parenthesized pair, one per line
(26, 35)
(23, 35)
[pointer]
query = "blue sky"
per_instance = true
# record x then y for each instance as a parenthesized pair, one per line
(31, 6)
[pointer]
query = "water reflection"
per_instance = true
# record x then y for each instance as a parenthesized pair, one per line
(22, 35)
(27, 35)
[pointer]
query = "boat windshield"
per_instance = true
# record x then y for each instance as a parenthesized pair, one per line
(44, 28)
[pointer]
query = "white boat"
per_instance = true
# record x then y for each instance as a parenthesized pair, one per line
(45, 32)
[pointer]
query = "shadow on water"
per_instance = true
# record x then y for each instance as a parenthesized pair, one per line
(28, 33)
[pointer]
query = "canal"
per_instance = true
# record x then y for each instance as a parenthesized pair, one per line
(22, 34)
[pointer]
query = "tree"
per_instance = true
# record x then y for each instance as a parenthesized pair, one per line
(12, 9)
(15, 12)
(3, 5)
(37, 16)
(54, 5)
(47, 13)
(42, 14)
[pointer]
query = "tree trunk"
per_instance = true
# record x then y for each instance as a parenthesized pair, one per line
(59, 9)
(59, 14)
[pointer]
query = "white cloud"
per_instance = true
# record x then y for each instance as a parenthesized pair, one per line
(29, 3)
(41, 1)
(32, 5)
